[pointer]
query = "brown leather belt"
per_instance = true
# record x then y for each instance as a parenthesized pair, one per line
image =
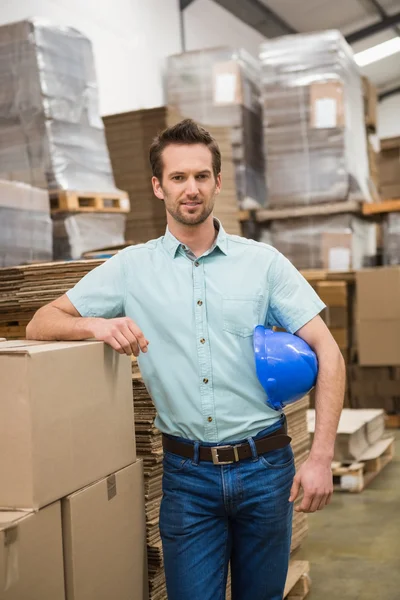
(226, 455)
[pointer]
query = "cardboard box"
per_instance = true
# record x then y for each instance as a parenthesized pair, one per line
(31, 555)
(327, 105)
(336, 317)
(66, 419)
(337, 250)
(105, 539)
(390, 192)
(379, 342)
(332, 293)
(378, 316)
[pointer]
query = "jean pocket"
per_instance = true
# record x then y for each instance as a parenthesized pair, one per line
(240, 315)
(282, 458)
(174, 462)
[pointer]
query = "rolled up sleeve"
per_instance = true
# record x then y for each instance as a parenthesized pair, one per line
(101, 293)
(293, 302)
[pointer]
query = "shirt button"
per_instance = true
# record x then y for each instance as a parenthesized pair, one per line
(196, 264)
(205, 380)
(209, 419)
(199, 302)
(202, 341)
(183, 247)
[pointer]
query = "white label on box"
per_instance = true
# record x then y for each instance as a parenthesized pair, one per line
(225, 88)
(125, 203)
(325, 113)
(339, 259)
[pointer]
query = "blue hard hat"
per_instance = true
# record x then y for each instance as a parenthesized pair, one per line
(286, 366)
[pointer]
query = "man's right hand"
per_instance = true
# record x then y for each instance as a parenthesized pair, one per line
(121, 334)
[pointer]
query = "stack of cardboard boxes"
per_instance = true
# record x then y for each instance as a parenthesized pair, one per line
(389, 176)
(25, 224)
(375, 381)
(220, 87)
(51, 133)
(316, 149)
(72, 501)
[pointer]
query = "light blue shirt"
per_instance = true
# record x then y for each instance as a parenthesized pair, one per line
(199, 316)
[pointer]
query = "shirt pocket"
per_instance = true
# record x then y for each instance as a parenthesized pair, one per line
(240, 314)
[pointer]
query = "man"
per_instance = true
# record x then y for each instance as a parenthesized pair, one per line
(186, 305)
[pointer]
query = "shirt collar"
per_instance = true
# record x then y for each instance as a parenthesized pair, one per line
(172, 245)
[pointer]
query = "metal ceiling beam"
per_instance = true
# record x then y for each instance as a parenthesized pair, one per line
(377, 6)
(365, 32)
(390, 92)
(258, 15)
(184, 4)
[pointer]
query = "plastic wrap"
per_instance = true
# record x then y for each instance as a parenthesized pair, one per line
(83, 232)
(219, 87)
(314, 128)
(25, 225)
(51, 133)
(391, 239)
(337, 242)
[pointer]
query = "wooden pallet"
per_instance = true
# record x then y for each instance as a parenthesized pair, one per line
(74, 201)
(298, 582)
(376, 208)
(263, 215)
(392, 421)
(354, 477)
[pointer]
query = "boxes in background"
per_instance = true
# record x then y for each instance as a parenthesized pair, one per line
(67, 419)
(25, 224)
(335, 242)
(357, 431)
(105, 539)
(389, 168)
(327, 104)
(31, 555)
(51, 134)
(378, 316)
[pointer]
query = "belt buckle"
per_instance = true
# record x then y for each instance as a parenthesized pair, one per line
(215, 459)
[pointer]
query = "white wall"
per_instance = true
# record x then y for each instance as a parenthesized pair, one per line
(389, 117)
(131, 39)
(207, 24)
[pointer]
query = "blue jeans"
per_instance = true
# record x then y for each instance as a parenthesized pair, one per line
(212, 514)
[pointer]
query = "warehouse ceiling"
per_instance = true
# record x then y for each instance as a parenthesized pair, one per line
(365, 23)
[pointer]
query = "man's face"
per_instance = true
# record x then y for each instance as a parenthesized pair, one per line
(188, 185)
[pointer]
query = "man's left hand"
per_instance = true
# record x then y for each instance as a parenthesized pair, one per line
(315, 477)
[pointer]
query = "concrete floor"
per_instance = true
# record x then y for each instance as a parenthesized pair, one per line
(354, 544)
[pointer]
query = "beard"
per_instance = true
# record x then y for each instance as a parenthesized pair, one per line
(188, 216)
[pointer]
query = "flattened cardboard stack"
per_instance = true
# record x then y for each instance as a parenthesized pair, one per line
(129, 136)
(219, 87)
(336, 242)
(296, 415)
(51, 134)
(358, 431)
(25, 224)
(149, 448)
(26, 288)
(313, 120)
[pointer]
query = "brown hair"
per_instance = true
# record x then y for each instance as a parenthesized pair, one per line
(185, 132)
